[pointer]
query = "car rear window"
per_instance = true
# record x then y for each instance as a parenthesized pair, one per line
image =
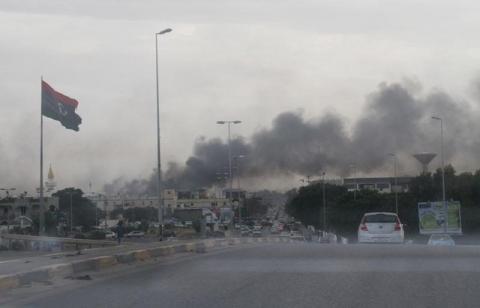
(379, 218)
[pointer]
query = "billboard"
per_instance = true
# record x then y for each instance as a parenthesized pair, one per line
(431, 217)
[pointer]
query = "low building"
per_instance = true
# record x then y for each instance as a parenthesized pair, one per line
(115, 202)
(172, 200)
(380, 184)
(11, 209)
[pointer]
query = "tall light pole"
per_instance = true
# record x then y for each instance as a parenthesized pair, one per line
(395, 180)
(445, 208)
(159, 166)
(354, 167)
(229, 123)
(71, 213)
(237, 159)
(324, 204)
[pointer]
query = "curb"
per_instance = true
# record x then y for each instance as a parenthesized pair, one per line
(45, 273)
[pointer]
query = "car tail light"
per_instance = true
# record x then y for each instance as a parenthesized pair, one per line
(363, 227)
(398, 227)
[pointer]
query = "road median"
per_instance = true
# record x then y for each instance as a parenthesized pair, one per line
(43, 274)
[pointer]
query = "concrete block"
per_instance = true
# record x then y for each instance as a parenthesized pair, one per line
(200, 247)
(104, 262)
(8, 282)
(125, 257)
(38, 275)
(59, 270)
(83, 265)
(142, 255)
(209, 243)
(190, 247)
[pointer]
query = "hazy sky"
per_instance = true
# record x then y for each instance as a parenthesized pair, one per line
(247, 60)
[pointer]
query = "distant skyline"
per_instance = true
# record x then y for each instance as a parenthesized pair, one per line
(247, 60)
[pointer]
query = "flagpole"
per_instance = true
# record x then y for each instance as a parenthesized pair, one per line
(41, 230)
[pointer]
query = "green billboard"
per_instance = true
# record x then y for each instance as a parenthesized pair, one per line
(431, 217)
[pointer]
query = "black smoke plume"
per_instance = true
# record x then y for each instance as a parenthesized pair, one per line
(396, 119)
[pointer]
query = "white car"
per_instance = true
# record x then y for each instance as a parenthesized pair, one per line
(440, 240)
(380, 227)
(110, 235)
(296, 235)
(135, 234)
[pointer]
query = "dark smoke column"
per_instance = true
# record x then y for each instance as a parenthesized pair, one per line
(230, 155)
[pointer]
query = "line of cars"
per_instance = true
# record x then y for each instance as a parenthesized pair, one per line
(256, 230)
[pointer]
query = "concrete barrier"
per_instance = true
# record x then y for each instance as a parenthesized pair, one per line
(83, 265)
(38, 275)
(63, 270)
(9, 282)
(59, 270)
(125, 258)
(104, 262)
(47, 242)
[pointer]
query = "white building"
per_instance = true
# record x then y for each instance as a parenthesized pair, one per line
(172, 199)
(11, 209)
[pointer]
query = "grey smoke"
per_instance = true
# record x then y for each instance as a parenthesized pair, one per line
(396, 119)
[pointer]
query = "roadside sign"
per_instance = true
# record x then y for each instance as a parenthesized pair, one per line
(431, 217)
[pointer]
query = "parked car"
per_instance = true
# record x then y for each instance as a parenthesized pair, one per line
(257, 231)
(441, 240)
(296, 235)
(274, 230)
(110, 235)
(246, 231)
(135, 234)
(380, 227)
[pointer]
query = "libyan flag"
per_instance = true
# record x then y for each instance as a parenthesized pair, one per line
(60, 107)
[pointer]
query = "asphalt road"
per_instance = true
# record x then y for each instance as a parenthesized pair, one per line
(287, 275)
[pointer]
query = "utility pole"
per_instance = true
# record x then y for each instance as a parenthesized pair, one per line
(159, 166)
(354, 167)
(395, 186)
(230, 156)
(445, 208)
(71, 212)
(324, 204)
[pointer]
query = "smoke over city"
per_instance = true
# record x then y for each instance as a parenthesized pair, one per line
(396, 119)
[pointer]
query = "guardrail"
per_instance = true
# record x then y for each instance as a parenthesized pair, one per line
(47, 242)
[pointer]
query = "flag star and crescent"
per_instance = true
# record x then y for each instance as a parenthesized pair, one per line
(60, 107)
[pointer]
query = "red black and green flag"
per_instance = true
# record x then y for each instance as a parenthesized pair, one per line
(60, 107)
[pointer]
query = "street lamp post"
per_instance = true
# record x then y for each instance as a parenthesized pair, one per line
(71, 213)
(106, 212)
(324, 204)
(395, 180)
(159, 167)
(237, 159)
(445, 209)
(354, 167)
(230, 155)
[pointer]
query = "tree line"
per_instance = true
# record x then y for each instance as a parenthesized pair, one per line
(344, 210)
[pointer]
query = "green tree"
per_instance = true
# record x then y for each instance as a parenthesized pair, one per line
(84, 210)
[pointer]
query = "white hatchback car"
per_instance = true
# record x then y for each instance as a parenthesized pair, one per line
(380, 227)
